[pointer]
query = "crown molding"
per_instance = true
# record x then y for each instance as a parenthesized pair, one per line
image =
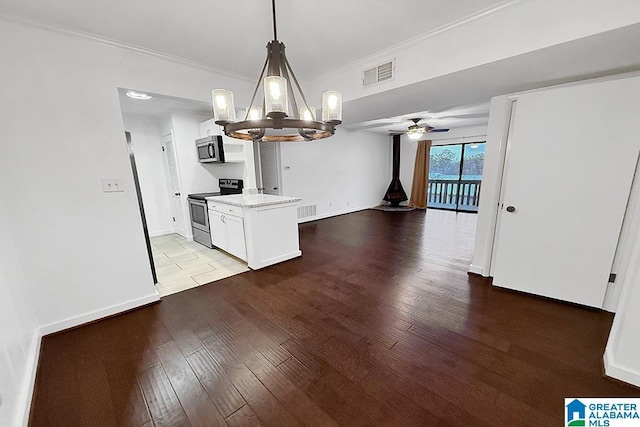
(106, 41)
(390, 51)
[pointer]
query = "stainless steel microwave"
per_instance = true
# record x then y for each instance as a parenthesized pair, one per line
(210, 149)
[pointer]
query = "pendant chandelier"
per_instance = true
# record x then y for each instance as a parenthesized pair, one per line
(273, 120)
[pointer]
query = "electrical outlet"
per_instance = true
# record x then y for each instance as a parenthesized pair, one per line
(112, 185)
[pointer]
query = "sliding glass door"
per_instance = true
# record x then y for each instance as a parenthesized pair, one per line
(455, 176)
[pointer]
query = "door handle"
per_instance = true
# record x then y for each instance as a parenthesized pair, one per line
(511, 209)
(176, 194)
(275, 188)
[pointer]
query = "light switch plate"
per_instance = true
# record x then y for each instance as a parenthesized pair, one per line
(111, 185)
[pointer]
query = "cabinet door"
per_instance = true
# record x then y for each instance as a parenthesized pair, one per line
(235, 235)
(218, 230)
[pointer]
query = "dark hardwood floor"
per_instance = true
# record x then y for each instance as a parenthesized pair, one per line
(377, 324)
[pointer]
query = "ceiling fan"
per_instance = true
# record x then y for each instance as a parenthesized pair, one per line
(415, 131)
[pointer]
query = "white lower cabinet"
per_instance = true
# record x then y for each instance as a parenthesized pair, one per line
(218, 230)
(227, 233)
(235, 236)
(262, 234)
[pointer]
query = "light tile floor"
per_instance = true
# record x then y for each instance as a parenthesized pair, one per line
(181, 264)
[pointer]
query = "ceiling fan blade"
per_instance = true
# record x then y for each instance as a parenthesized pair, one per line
(437, 130)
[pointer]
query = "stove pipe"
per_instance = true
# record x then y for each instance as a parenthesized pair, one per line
(395, 193)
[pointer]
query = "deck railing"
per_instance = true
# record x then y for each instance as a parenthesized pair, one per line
(464, 194)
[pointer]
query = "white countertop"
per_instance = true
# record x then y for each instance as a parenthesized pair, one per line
(253, 200)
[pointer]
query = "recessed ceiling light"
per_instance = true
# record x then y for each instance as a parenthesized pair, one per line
(138, 95)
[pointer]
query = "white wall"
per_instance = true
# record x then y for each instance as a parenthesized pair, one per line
(195, 177)
(145, 137)
(62, 116)
(408, 149)
(19, 340)
(347, 172)
(486, 38)
(82, 251)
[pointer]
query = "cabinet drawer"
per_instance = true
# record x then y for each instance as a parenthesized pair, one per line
(226, 209)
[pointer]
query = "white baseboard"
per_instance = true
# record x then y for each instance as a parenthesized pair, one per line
(161, 232)
(98, 314)
(34, 354)
(26, 397)
(335, 213)
(476, 269)
(275, 260)
(618, 372)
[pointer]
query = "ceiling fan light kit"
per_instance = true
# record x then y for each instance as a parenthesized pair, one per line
(274, 114)
(415, 131)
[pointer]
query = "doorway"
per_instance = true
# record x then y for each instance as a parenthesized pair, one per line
(175, 187)
(136, 182)
(270, 167)
(455, 176)
(162, 131)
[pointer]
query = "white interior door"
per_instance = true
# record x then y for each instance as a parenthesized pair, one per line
(175, 188)
(571, 157)
(269, 157)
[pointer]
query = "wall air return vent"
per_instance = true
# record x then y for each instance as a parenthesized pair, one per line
(306, 211)
(379, 74)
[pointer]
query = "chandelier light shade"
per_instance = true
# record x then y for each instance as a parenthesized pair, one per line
(332, 106)
(308, 113)
(272, 121)
(275, 95)
(223, 108)
(254, 112)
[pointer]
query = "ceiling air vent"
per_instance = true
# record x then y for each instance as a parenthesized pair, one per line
(378, 74)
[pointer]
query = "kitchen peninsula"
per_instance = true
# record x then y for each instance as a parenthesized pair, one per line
(261, 229)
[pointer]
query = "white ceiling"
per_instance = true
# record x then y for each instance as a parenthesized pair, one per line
(323, 35)
(464, 92)
(231, 35)
(446, 118)
(161, 105)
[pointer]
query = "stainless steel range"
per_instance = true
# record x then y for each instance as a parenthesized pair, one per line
(200, 214)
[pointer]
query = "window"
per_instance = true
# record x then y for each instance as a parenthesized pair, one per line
(455, 176)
